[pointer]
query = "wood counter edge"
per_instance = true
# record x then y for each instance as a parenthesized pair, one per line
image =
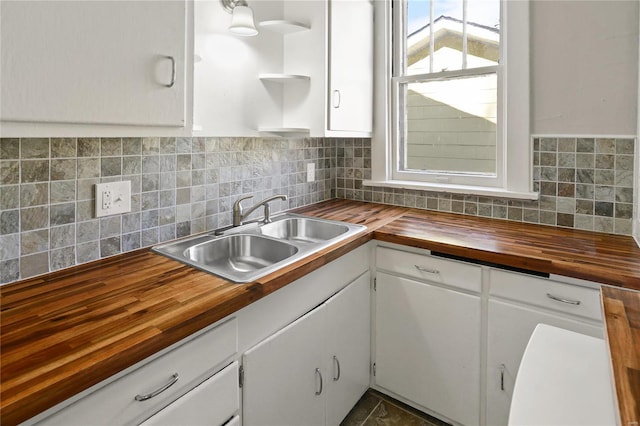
(621, 310)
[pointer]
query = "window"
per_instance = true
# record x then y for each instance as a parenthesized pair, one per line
(455, 119)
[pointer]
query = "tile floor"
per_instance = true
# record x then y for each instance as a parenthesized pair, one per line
(375, 408)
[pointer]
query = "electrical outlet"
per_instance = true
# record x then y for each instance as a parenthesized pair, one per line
(106, 199)
(311, 172)
(113, 198)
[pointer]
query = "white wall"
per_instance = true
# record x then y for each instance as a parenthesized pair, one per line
(584, 67)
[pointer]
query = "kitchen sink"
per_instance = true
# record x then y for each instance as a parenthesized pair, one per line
(240, 253)
(248, 252)
(304, 230)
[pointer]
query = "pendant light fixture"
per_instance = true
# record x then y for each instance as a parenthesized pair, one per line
(242, 23)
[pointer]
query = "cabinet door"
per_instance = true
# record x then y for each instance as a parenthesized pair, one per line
(211, 403)
(510, 328)
(350, 65)
(93, 62)
(349, 350)
(284, 381)
(428, 346)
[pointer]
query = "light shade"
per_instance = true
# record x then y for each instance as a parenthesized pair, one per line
(242, 21)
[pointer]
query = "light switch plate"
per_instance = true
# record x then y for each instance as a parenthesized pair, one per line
(113, 198)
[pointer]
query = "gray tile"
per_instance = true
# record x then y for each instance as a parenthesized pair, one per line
(132, 165)
(34, 148)
(605, 161)
(34, 194)
(62, 236)
(62, 258)
(63, 169)
(9, 197)
(624, 195)
(150, 146)
(87, 252)
(110, 226)
(9, 172)
(623, 178)
(9, 148)
(61, 214)
(605, 146)
(88, 147)
(110, 147)
(63, 147)
(150, 182)
(603, 224)
(624, 146)
(63, 191)
(109, 246)
(88, 168)
(34, 218)
(602, 208)
(34, 242)
(86, 189)
(130, 222)
(9, 271)
(131, 241)
(35, 264)
(167, 145)
(110, 166)
(34, 171)
(9, 222)
(623, 211)
(585, 145)
(624, 162)
(87, 231)
(567, 145)
(85, 210)
(131, 146)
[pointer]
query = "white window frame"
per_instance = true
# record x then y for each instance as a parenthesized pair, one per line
(515, 174)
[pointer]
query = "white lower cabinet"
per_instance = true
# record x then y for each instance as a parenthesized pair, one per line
(427, 346)
(212, 403)
(155, 385)
(313, 371)
(517, 304)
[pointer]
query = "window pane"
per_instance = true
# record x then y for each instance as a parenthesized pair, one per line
(450, 125)
(455, 45)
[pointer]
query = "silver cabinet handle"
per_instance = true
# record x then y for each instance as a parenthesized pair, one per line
(336, 99)
(427, 270)
(173, 71)
(563, 300)
(502, 368)
(172, 381)
(320, 375)
(337, 363)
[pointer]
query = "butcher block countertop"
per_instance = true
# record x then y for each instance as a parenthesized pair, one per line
(66, 331)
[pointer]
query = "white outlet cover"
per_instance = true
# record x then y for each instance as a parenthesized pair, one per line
(113, 198)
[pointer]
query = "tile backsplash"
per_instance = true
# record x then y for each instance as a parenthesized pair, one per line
(182, 186)
(584, 183)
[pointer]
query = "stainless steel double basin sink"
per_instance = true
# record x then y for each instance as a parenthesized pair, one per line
(248, 252)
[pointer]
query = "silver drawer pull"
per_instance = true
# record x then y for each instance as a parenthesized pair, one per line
(173, 71)
(174, 379)
(428, 271)
(560, 299)
(319, 374)
(337, 363)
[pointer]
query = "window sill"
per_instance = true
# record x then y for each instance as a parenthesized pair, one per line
(454, 189)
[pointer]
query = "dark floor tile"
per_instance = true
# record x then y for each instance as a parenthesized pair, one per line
(362, 410)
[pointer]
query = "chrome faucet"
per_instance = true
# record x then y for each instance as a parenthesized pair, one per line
(239, 214)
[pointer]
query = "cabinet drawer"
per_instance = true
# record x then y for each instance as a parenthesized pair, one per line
(211, 403)
(424, 267)
(116, 403)
(543, 292)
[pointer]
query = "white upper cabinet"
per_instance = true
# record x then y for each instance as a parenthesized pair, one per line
(309, 71)
(350, 66)
(94, 62)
